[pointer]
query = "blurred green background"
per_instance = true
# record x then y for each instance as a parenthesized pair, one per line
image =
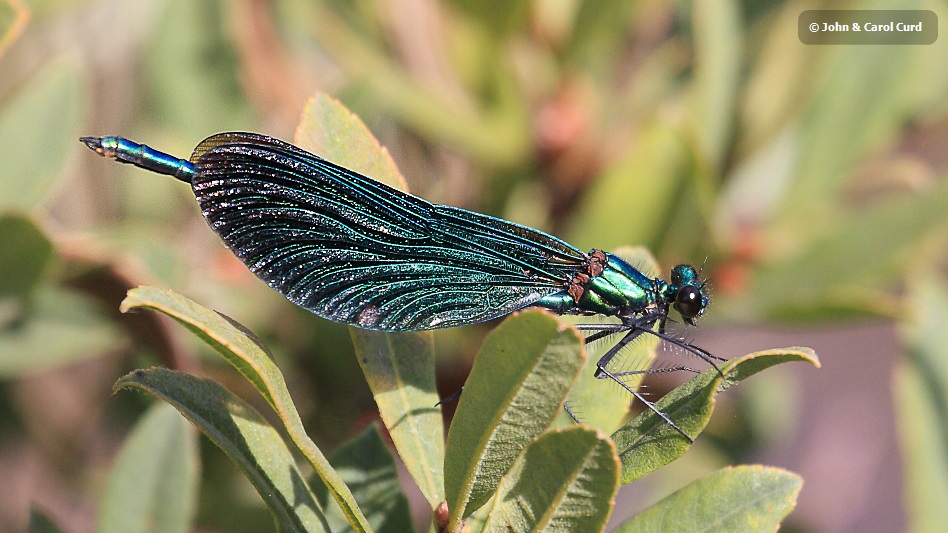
(813, 179)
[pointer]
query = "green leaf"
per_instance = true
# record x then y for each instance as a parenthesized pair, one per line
(329, 129)
(859, 104)
(186, 91)
(239, 430)
(595, 401)
(241, 349)
(39, 125)
(477, 521)
(920, 390)
(920, 420)
(499, 135)
(501, 16)
(743, 498)
(399, 368)
(368, 468)
(648, 442)
(926, 336)
(654, 167)
(598, 31)
(866, 244)
(154, 482)
(40, 523)
(563, 481)
(777, 80)
(717, 47)
(24, 255)
(13, 19)
(51, 328)
(520, 377)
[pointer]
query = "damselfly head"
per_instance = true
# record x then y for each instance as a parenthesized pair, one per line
(689, 298)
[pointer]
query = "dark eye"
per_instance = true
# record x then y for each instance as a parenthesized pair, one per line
(688, 301)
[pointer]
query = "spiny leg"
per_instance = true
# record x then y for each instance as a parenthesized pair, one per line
(636, 329)
(699, 351)
(702, 354)
(602, 330)
(645, 325)
(657, 371)
(606, 374)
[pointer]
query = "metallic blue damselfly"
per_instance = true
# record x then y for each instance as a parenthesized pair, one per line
(356, 251)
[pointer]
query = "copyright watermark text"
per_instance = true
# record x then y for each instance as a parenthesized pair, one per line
(867, 27)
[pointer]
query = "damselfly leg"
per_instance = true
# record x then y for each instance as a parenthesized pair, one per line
(633, 329)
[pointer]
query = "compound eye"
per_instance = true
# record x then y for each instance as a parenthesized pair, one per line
(688, 301)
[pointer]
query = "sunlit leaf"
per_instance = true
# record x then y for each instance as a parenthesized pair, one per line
(39, 124)
(399, 368)
(521, 375)
(563, 481)
(920, 389)
(153, 485)
(239, 430)
(648, 442)
(333, 132)
(743, 498)
(368, 468)
(242, 350)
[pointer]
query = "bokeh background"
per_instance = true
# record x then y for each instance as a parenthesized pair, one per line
(812, 178)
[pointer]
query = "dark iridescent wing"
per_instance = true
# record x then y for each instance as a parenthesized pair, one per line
(354, 250)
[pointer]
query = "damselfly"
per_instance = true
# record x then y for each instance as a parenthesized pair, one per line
(356, 251)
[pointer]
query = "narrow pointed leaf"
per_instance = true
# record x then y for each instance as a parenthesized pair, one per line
(239, 430)
(399, 368)
(717, 29)
(858, 104)
(477, 521)
(520, 377)
(38, 124)
(564, 481)
(813, 277)
(241, 349)
(920, 390)
(648, 442)
(656, 162)
(368, 468)
(154, 483)
(923, 445)
(743, 498)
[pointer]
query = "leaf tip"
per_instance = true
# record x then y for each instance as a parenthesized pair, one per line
(131, 379)
(134, 298)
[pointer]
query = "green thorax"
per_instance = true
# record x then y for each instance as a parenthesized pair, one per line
(609, 286)
(620, 287)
